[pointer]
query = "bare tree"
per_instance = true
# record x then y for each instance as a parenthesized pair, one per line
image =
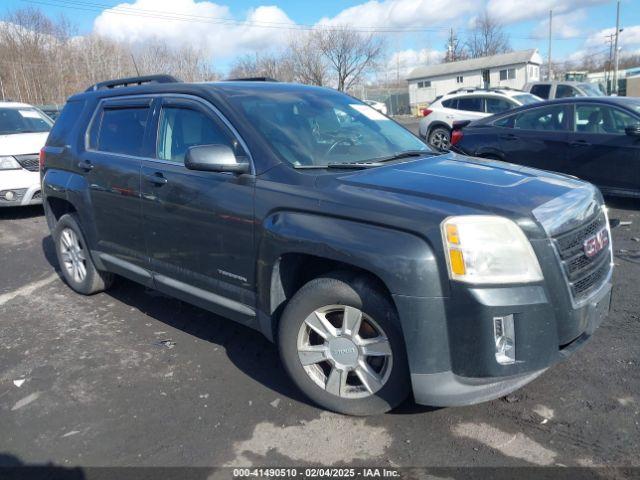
(349, 54)
(271, 65)
(454, 48)
(487, 37)
(308, 62)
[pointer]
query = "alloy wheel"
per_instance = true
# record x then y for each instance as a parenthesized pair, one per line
(73, 255)
(344, 351)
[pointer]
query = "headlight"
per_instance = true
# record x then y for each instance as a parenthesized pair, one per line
(9, 163)
(488, 249)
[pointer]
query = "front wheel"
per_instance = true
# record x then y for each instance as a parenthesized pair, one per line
(340, 342)
(440, 138)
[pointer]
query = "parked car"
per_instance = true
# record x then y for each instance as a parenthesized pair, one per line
(23, 131)
(378, 266)
(466, 104)
(381, 107)
(595, 139)
(562, 89)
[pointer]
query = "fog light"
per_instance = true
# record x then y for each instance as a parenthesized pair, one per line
(9, 195)
(505, 339)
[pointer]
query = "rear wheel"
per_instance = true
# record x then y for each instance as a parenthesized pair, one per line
(440, 138)
(341, 344)
(75, 261)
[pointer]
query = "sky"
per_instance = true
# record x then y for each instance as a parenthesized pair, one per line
(415, 30)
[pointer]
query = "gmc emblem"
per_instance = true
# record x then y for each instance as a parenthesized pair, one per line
(595, 244)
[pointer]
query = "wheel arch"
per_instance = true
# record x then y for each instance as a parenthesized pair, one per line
(300, 247)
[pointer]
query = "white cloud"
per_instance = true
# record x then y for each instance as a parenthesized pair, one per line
(161, 19)
(565, 25)
(402, 13)
(629, 38)
(510, 11)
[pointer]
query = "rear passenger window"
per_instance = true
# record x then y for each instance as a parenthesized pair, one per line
(451, 103)
(471, 104)
(541, 90)
(120, 130)
(564, 91)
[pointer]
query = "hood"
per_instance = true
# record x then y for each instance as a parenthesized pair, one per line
(22, 143)
(486, 185)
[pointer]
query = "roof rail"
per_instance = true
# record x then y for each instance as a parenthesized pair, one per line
(475, 89)
(251, 79)
(126, 82)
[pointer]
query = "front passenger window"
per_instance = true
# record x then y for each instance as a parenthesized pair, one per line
(181, 128)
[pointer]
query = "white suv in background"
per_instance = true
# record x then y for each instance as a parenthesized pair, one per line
(467, 104)
(23, 132)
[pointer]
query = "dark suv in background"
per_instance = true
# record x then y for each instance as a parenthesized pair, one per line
(378, 266)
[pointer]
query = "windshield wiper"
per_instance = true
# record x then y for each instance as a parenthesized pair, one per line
(339, 165)
(405, 154)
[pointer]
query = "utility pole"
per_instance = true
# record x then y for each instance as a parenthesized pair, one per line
(549, 74)
(609, 69)
(615, 52)
(451, 48)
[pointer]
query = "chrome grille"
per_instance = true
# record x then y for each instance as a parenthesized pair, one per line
(584, 274)
(29, 162)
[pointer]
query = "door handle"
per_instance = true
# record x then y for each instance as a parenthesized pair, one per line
(156, 178)
(85, 165)
(580, 143)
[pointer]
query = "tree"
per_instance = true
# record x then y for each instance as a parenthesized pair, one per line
(308, 62)
(271, 65)
(349, 53)
(487, 37)
(454, 49)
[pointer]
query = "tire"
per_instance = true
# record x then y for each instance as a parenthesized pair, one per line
(335, 296)
(75, 260)
(440, 138)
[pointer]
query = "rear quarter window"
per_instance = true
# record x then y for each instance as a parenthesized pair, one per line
(68, 119)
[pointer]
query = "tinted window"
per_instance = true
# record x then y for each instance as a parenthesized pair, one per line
(563, 91)
(182, 128)
(541, 90)
(497, 105)
(602, 119)
(471, 104)
(65, 123)
(23, 120)
(120, 130)
(548, 119)
(450, 103)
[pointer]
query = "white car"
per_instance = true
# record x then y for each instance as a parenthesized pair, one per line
(381, 107)
(466, 104)
(23, 132)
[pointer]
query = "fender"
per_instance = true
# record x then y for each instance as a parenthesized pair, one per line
(408, 265)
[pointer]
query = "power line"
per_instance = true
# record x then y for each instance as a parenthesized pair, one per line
(171, 16)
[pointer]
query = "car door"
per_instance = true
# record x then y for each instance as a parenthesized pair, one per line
(111, 162)
(600, 151)
(535, 137)
(198, 225)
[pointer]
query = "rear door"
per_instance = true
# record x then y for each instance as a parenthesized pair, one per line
(536, 137)
(115, 145)
(198, 225)
(600, 151)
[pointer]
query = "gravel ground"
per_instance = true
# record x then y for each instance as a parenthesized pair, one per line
(131, 377)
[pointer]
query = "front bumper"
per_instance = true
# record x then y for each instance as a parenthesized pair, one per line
(24, 185)
(451, 349)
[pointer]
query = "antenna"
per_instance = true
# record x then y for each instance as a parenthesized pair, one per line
(135, 65)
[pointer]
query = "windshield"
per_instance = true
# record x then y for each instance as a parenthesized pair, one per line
(321, 127)
(527, 98)
(591, 90)
(23, 120)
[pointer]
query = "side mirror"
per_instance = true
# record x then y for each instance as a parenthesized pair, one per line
(633, 130)
(215, 158)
